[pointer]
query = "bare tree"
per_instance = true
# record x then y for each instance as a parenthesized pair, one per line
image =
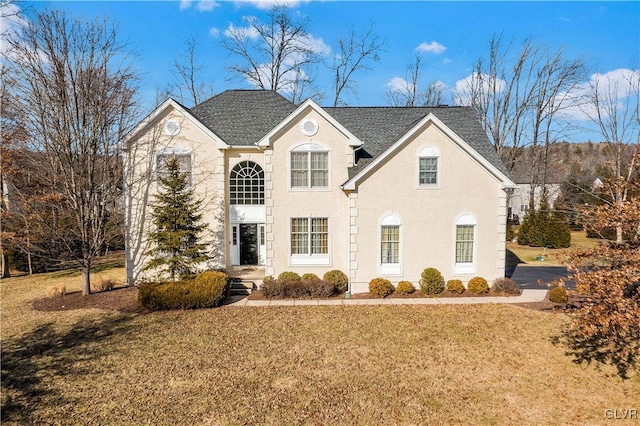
(356, 54)
(407, 93)
(188, 88)
(275, 55)
(76, 88)
(613, 105)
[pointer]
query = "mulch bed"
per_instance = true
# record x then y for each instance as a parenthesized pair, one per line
(125, 299)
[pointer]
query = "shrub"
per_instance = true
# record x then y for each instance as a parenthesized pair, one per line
(57, 290)
(405, 287)
(288, 276)
(206, 290)
(104, 284)
(297, 289)
(307, 277)
(505, 285)
(455, 286)
(380, 287)
(558, 295)
(339, 280)
(478, 285)
(268, 278)
(431, 281)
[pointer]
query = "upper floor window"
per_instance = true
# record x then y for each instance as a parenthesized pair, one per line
(309, 166)
(181, 154)
(428, 166)
(246, 184)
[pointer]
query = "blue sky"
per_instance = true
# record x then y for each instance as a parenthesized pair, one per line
(454, 34)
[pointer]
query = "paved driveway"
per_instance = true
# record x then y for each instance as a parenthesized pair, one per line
(528, 276)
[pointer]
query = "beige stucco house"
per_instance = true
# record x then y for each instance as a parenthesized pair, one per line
(372, 191)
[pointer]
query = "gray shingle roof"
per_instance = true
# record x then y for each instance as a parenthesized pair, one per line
(242, 117)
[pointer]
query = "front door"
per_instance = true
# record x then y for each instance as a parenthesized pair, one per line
(249, 244)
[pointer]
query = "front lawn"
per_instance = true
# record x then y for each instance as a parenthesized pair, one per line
(460, 364)
(517, 254)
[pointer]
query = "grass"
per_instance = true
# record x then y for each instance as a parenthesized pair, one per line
(524, 254)
(450, 364)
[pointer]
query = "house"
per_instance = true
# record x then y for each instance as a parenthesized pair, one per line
(519, 197)
(371, 191)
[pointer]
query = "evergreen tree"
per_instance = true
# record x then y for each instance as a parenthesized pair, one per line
(545, 227)
(177, 248)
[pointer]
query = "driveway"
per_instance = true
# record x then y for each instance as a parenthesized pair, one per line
(529, 276)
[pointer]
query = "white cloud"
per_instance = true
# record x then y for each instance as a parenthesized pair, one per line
(10, 23)
(268, 4)
(446, 61)
(463, 88)
(399, 84)
(201, 5)
(242, 32)
(433, 47)
(214, 32)
(317, 45)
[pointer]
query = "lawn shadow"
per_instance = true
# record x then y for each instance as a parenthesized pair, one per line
(511, 263)
(27, 361)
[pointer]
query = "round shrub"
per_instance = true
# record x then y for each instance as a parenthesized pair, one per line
(206, 290)
(455, 286)
(431, 281)
(478, 285)
(405, 287)
(504, 285)
(558, 295)
(380, 287)
(339, 280)
(288, 276)
(309, 277)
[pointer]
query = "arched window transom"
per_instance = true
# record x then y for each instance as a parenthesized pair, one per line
(246, 186)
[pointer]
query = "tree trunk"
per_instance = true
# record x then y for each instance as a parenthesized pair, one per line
(5, 265)
(86, 278)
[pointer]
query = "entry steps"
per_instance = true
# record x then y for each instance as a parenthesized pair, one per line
(241, 287)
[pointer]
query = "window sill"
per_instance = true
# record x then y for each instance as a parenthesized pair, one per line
(316, 259)
(465, 268)
(390, 269)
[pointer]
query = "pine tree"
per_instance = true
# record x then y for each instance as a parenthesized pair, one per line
(177, 248)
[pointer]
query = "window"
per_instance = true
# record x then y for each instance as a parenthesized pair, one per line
(246, 184)
(428, 166)
(310, 235)
(309, 167)
(390, 245)
(465, 244)
(184, 159)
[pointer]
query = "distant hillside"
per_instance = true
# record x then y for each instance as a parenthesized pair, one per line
(583, 160)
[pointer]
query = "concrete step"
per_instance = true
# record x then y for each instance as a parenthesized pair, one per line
(241, 287)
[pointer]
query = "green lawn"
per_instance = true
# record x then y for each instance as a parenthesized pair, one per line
(450, 364)
(523, 254)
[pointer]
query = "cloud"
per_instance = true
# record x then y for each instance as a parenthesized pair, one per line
(201, 5)
(268, 4)
(433, 47)
(399, 84)
(10, 23)
(214, 32)
(483, 82)
(241, 32)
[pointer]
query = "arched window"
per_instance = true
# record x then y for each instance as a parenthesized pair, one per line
(246, 184)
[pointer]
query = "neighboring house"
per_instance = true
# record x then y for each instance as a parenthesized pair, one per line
(372, 191)
(518, 200)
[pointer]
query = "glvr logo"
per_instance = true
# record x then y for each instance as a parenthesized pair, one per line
(621, 414)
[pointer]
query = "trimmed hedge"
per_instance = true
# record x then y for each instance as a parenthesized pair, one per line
(478, 285)
(558, 295)
(405, 287)
(339, 280)
(207, 290)
(288, 276)
(297, 289)
(380, 287)
(455, 286)
(307, 277)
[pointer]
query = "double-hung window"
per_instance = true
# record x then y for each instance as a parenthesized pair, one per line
(428, 167)
(465, 245)
(309, 240)
(390, 245)
(309, 166)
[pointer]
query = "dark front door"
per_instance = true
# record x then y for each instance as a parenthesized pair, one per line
(248, 244)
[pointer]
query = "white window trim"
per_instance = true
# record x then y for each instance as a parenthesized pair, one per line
(429, 151)
(310, 259)
(390, 269)
(465, 268)
(309, 147)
